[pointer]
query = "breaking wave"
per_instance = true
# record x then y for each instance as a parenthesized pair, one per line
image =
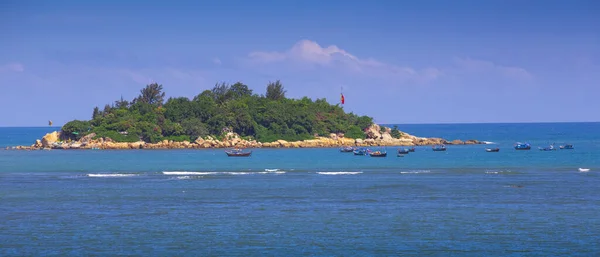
(110, 175)
(415, 171)
(340, 173)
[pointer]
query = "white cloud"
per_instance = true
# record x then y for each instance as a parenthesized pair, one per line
(217, 61)
(311, 53)
(480, 66)
(12, 67)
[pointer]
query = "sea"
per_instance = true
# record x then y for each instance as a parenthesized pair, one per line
(309, 202)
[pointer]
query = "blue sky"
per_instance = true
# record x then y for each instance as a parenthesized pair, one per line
(398, 61)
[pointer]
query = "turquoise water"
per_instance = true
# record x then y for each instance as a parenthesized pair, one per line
(297, 202)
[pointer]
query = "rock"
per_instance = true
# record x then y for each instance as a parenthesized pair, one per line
(456, 142)
(87, 138)
(38, 144)
(283, 143)
(373, 131)
(50, 138)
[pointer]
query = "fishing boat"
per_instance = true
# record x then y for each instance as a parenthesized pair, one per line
(238, 153)
(492, 150)
(522, 146)
(439, 148)
(347, 149)
(378, 154)
(361, 151)
(549, 148)
(403, 151)
(569, 147)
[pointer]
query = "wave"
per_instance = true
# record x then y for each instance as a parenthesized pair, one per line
(187, 173)
(110, 175)
(415, 171)
(488, 143)
(185, 177)
(196, 173)
(271, 170)
(340, 173)
(497, 171)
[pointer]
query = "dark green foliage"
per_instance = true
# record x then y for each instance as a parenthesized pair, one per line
(96, 113)
(122, 104)
(382, 129)
(275, 91)
(395, 132)
(219, 110)
(194, 128)
(76, 129)
(152, 94)
(355, 132)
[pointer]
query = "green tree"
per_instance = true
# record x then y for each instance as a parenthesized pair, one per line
(223, 108)
(240, 90)
(107, 110)
(194, 128)
(275, 91)
(96, 113)
(76, 129)
(221, 93)
(177, 109)
(395, 132)
(121, 103)
(152, 94)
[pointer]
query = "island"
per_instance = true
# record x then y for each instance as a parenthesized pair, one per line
(223, 117)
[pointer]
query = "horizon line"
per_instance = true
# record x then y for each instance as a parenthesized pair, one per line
(384, 123)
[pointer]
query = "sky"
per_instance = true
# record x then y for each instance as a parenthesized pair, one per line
(397, 61)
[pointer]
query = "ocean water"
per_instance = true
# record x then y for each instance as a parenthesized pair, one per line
(299, 202)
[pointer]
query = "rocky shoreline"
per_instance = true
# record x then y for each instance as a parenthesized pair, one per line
(375, 136)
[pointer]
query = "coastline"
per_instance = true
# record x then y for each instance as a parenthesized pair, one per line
(375, 136)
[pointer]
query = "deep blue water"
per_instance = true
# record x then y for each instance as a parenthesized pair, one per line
(319, 202)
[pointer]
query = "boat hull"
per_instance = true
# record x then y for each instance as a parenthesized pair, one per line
(239, 154)
(492, 150)
(522, 148)
(379, 155)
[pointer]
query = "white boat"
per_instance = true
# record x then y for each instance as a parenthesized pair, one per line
(583, 170)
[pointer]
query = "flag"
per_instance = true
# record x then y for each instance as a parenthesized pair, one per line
(342, 99)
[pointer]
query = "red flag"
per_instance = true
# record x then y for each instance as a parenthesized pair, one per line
(342, 98)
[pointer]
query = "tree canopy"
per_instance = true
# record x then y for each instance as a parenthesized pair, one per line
(224, 108)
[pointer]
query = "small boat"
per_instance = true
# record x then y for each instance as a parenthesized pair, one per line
(569, 147)
(583, 170)
(238, 153)
(549, 148)
(361, 151)
(412, 149)
(403, 151)
(492, 150)
(439, 148)
(522, 146)
(378, 154)
(347, 149)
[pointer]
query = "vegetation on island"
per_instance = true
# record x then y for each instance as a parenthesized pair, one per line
(224, 108)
